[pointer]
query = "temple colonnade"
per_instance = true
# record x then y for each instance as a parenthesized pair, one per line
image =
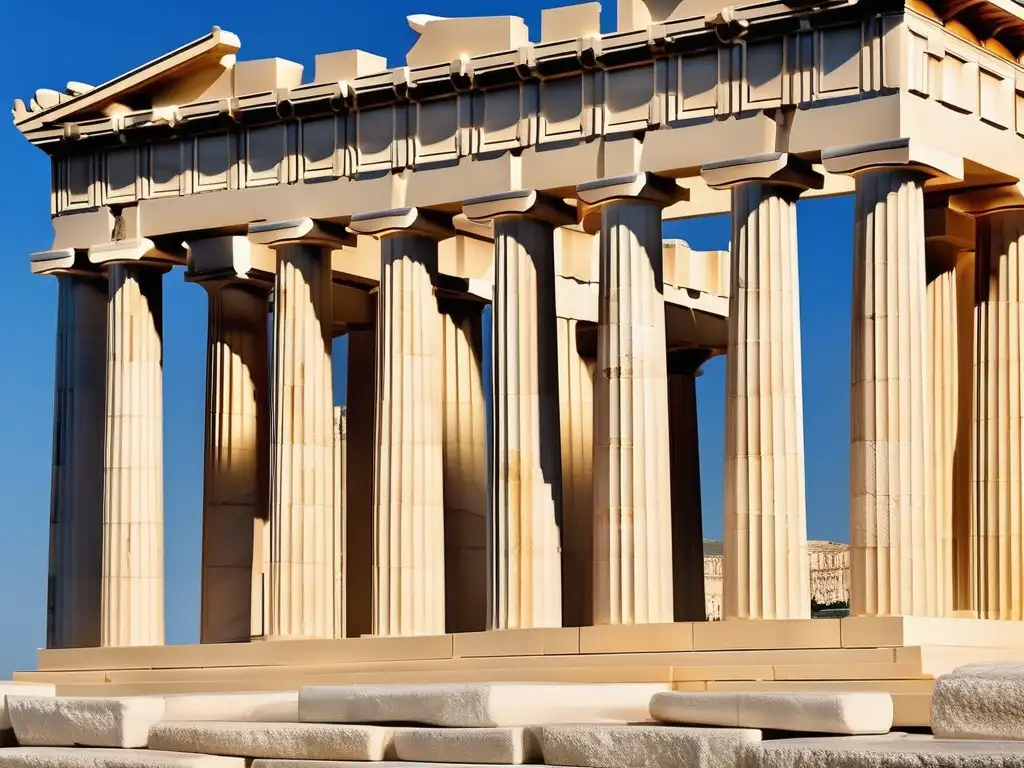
(593, 513)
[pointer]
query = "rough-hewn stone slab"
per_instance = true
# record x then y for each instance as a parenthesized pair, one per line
(891, 751)
(842, 713)
(19, 689)
(984, 705)
(66, 757)
(276, 763)
(491, 746)
(303, 741)
(477, 705)
(272, 707)
(42, 721)
(999, 669)
(650, 746)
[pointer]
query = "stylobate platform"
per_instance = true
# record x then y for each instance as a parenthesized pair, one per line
(901, 656)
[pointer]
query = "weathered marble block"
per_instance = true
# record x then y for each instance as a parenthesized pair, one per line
(301, 741)
(980, 701)
(650, 746)
(66, 757)
(840, 713)
(272, 707)
(889, 751)
(491, 746)
(43, 721)
(18, 689)
(477, 705)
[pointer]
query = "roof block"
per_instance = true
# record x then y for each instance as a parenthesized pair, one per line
(570, 22)
(346, 65)
(445, 40)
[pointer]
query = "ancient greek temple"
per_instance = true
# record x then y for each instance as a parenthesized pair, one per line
(532, 171)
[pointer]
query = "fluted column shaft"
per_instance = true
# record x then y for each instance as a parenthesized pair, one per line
(527, 454)
(76, 503)
(766, 565)
(998, 409)
(684, 454)
(132, 611)
(303, 531)
(465, 469)
(408, 536)
(632, 505)
(237, 459)
(941, 305)
(891, 525)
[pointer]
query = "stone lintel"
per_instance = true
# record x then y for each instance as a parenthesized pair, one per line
(779, 168)
(139, 249)
(521, 202)
(980, 202)
(63, 261)
(416, 221)
(277, 234)
(230, 258)
(905, 152)
(641, 186)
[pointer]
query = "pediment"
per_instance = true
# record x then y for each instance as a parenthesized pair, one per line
(200, 64)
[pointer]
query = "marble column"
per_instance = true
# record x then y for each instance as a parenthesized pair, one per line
(965, 556)
(684, 464)
(999, 373)
(304, 534)
(132, 592)
(235, 481)
(766, 564)
(408, 530)
(632, 501)
(891, 520)
(465, 468)
(359, 479)
(76, 503)
(526, 513)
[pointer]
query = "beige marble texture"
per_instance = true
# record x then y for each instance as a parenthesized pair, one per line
(891, 520)
(47, 721)
(965, 554)
(576, 416)
(632, 493)
(765, 527)
(895, 750)
(943, 380)
(237, 458)
(465, 469)
(999, 374)
(76, 504)
(302, 523)
(527, 498)
(132, 597)
(70, 757)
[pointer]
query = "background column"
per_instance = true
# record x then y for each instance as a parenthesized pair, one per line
(235, 486)
(408, 530)
(76, 504)
(892, 519)
(526, 514)
(999, 376)
(684, 463)
(304, 534)
(766, 565)
(632, 502)
(133, 493)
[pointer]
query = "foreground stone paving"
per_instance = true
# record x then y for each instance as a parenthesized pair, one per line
(600, 728)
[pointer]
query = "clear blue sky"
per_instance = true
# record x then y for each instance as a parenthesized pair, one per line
(50, 43)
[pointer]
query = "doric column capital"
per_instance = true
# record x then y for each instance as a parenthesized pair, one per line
(278, 234)
(521, 202)
(64, 261)
(636, 186)
(988, 200)
(137, 250)
(215, 261)
(905, 153)
(777, 168)
(411, 221)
